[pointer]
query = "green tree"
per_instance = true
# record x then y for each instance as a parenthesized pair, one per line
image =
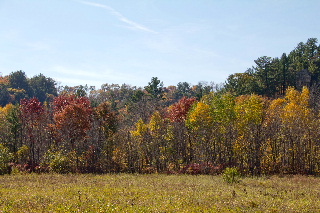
(155, 88)
(43, 87)
(243, 83)
(223, 113)
(183, 89)
(4, 95)
(18, 80)
(265, 72)
(201, 89)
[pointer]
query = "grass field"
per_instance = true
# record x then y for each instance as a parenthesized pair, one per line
(157, 193)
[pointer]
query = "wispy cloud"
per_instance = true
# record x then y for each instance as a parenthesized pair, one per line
(94, 76)
(121, 17)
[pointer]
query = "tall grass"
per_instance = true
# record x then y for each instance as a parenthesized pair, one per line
(156, 193)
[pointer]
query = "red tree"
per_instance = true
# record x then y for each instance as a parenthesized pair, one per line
(178, 111)
(33, 120)
(72, 116)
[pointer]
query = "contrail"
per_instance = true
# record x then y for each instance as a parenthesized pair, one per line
(121, 17)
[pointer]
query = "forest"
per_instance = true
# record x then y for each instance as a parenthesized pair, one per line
(265, 120)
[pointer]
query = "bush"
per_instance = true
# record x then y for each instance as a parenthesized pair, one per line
(61, 163)
(5, 158)
(231, 175)
(22, 154)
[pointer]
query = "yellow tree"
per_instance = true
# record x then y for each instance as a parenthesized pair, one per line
(200, 122)
(291, 134)
(159, 148)
(249, 117)
(271, 160)
(297, 125)
(139, 148)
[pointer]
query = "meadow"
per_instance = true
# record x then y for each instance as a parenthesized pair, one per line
(156, 193)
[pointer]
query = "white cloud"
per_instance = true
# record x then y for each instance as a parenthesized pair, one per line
(95, 76)
(121, 17)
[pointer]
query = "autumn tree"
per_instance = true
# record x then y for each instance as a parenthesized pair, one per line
(178, 111)
(297, 126)
(291, 128)
(33, 126)
(200, 123)
(140, 149)
(177, 130)
(104, 126)
(223, 113)
(160, 145)
(72, 116)
(11, 127)
(250, 115)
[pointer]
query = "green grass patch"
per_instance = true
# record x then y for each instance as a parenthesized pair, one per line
(156, 193)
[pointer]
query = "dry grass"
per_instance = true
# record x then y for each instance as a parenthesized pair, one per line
(156, 193)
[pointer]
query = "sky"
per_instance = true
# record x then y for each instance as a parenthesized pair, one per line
(93, 42)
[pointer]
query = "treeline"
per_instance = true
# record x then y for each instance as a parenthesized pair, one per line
(17, 86)
(257, 122)
(272, 76)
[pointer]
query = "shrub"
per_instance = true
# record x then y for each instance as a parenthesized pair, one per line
(61, 163)
(22, 154)
(5, 158)
(231, 175)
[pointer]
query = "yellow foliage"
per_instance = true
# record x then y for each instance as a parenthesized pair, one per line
(7, 108)
(297, 106)
(155, 123)
(200, 116)
(4, 111)
(141, 129)
(249, 110)
(1, 113)
(276, 105)
(295, 97)
(169, 133)
(305, 97)
(14, 90)
(293, 109)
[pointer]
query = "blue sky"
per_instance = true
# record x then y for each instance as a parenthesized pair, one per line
(105, 41)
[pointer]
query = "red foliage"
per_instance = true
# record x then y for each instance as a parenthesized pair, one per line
(72, 116)
(178, 111)
(202, 168)
(31, 106)
(73, 121)
(61, 102)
